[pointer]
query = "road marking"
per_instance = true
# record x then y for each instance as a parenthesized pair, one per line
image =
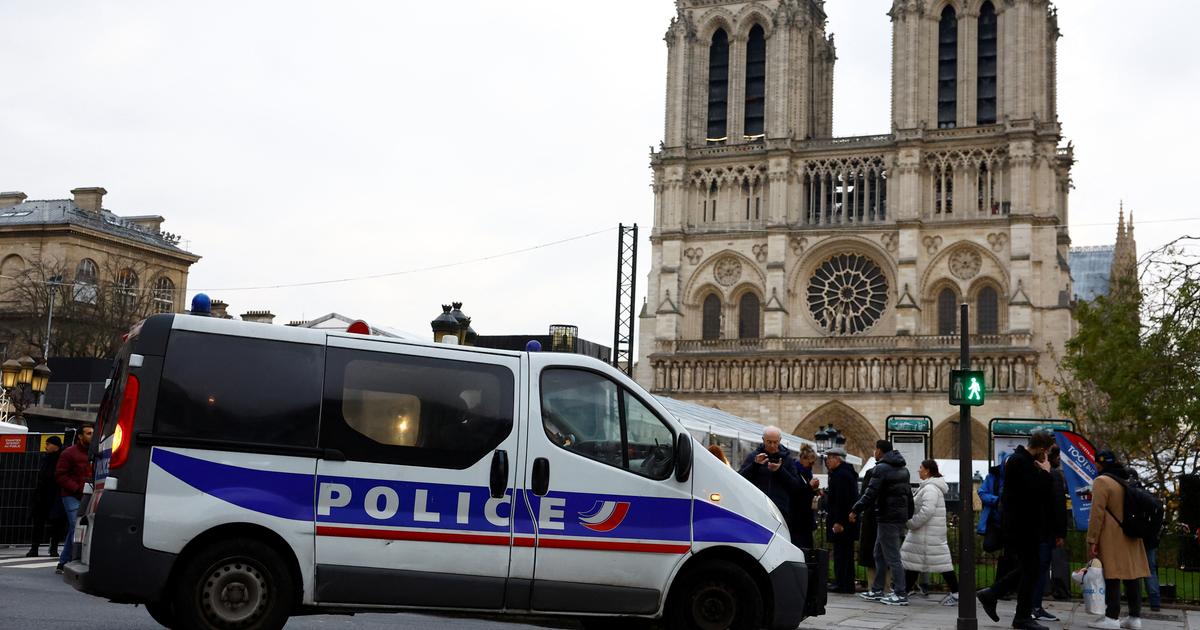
(23, 559)
(40, 565)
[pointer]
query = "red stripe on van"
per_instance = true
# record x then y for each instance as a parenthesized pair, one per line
(485, 539)
(613, 545)
(392, 534)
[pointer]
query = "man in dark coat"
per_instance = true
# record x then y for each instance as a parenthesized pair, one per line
(771, 469)
(1026, 521)
(44, 504)
(72, 473)
(840, 530)
(890, 496)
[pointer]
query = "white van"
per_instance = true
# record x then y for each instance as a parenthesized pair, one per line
(246, 473)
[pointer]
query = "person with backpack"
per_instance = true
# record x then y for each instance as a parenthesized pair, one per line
(1153, 591)
(891, 498)
(1115, 511)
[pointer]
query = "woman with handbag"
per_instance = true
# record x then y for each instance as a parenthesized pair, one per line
(925, 549)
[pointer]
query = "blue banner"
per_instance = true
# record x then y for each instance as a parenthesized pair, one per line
(1079, 469)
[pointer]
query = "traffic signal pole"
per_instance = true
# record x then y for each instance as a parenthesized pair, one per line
(966, 516)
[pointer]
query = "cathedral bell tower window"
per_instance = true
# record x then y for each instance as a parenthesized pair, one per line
(756, 83)
(986, 85)
(711, 327)
(718, 86)
(947, 312)
(947, 90)
(987, 312)
(748, 317)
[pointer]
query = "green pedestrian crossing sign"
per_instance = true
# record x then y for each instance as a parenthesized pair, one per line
(967, 387)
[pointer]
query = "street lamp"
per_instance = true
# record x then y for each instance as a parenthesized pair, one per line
(822, 439)
(23, 380)
(445, 326)
(52, 282)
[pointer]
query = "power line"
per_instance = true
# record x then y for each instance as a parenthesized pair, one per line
(359, 278)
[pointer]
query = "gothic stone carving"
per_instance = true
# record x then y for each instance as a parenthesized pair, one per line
(799, 244)
(693, 254)
(965, 263)
(728, 271)
(932, 244)
(997, 240)
(891, 241)
(760, 252)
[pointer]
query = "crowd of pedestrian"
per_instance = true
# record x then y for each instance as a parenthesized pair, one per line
(902, 532)
(54, 504)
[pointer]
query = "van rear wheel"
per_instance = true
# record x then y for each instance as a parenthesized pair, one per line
(163, 613)
(718, 595)
(240, 583)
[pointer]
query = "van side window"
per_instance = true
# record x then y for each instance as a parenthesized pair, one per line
(414, 411)
(585, 413)
(240, 389)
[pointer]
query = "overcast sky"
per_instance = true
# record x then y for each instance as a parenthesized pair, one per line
(293, 141)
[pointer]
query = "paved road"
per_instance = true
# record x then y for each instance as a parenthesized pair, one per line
(32, 597)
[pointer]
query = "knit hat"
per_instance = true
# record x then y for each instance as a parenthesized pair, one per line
(1107, 458)
(55, 440)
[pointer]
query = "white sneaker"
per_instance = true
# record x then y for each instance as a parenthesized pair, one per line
(1106, 623)
(950, 600)
(1133, 623)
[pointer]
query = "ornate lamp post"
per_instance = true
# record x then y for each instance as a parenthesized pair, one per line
(445, 326)
(23, 380)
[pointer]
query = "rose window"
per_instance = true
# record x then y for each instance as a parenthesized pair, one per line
(847, 294)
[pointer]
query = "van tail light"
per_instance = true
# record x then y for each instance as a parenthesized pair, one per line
(123, 434)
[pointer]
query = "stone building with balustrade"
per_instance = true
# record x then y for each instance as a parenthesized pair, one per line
(801, 279)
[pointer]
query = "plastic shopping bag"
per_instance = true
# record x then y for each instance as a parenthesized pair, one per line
(1091, 578)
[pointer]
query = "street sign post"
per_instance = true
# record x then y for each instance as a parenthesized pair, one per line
(966, 390)
(911, 435)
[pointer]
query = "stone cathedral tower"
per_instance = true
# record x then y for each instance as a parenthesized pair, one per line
(800, 279)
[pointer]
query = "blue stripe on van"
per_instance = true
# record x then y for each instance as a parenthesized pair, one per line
(292, 496)
(282, 494)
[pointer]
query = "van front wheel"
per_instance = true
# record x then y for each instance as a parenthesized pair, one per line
(240, 583)
(716, 596)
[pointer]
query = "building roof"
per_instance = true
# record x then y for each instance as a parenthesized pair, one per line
(1090, 268)
(66, 212)
(337, 321)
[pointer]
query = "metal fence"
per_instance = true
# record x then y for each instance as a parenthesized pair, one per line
(18, 478)
(1178, 564)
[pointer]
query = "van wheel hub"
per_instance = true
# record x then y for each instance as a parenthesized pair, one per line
(234, 593)
(714, 607)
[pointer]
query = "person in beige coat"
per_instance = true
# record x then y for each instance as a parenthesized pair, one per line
(1124, 558)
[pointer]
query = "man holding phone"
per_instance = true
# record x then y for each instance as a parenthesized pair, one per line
(771, 469)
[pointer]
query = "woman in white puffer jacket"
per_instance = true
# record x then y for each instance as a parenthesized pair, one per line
(925, 549)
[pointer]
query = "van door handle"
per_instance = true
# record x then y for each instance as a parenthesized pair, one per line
(541, 476)
(498, 482)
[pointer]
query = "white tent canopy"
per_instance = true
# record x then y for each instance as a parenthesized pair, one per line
(741, 436)
(10, 428)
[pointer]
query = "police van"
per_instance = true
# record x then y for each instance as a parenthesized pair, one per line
(245, 473)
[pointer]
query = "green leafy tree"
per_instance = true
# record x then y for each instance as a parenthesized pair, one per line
(1131, 374)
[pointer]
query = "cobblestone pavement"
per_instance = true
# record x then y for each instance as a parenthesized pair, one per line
(848, 611)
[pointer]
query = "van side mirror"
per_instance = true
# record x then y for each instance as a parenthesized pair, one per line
(683, 456)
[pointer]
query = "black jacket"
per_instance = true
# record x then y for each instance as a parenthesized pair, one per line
(801, 517)
(780, 485)
(868, 529)
(1027, 499)
(889, 491)
(843, 492)
(1058, 509)
(45, 493)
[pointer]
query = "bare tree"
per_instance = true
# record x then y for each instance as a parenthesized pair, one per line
(94, 305)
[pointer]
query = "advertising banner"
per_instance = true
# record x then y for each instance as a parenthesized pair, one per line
(12, 443)
(1079, 469)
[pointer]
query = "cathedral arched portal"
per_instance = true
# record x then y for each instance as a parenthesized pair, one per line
(860, 434)
(945, 439)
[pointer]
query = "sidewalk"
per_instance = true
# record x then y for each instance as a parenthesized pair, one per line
(848, 611)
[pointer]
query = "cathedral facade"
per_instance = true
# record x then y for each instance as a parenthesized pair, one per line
(802, 279)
